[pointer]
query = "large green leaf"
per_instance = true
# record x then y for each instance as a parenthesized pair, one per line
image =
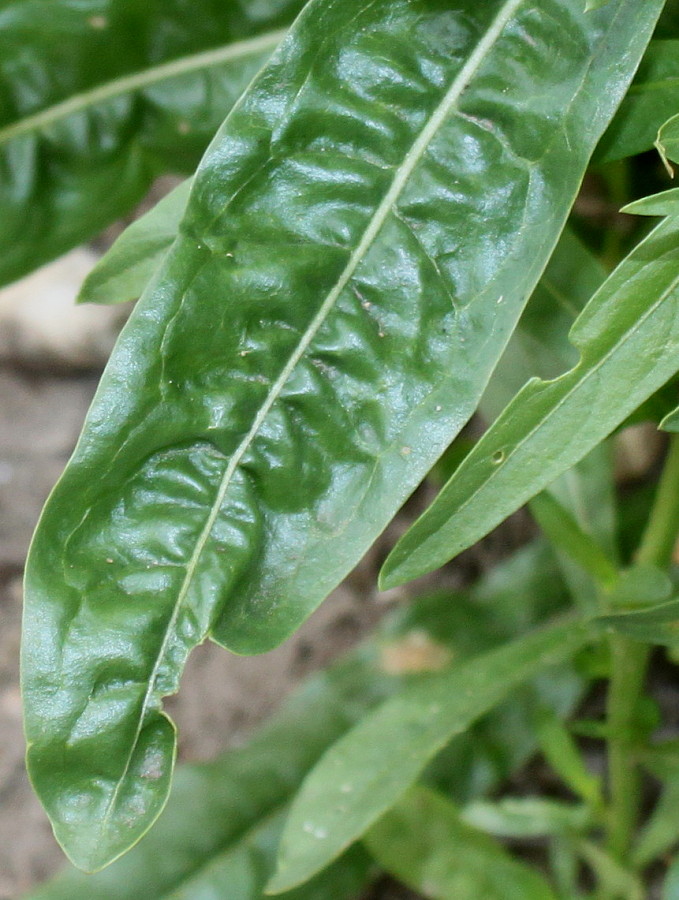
(218, 810)
(359, 243)
(628, 337)
(99, 97)
(369, 769)
(652, 97)
(424, 843)
(214, 808)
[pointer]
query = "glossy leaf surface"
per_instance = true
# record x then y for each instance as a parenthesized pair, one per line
(99, 97)
(218, 810)
(127, 267)
(369, 769)
(321, 330)
(628, 338)
(213, 808)
(426, 845)
(653, 96)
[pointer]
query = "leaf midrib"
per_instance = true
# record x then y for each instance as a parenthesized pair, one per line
(401, 176)
(139, 81)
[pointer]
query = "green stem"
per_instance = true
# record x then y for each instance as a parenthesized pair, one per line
(629, 662)
(657, 544)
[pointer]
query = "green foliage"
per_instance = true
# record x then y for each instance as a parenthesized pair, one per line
(373, 247)
(194, 418)
(550, 426)
(125, 270)
(423, 841)
(356, 781)
(654, 93)
(98, 98)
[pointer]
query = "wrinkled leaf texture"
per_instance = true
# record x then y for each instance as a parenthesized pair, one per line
(628, 338)
(98, 97)
(217, 810)
(358, 246)
(215, 807)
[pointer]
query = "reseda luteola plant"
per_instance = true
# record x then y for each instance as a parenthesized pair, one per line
(378, 241)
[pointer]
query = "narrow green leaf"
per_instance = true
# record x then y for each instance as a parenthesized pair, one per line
(562, 753)
(588, 492)
(527, 817)
(241, 874)
(539, 345)
(671, 883)
(614, 878)
(367, 771)
(667, 143)
(125, 270)
(661, 832)
(653, 95)
(655, 625)
(671, 421)
(561, 528)
(663, 204)
(360, 241)
(549, 426)
(426, 845)
(97, 100)
(641, 586)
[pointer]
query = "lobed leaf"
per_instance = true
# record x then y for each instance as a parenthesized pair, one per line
(540, 345)
(426, 845)
(628, 338)
(99, 98)
(369, 769)
(321, 330)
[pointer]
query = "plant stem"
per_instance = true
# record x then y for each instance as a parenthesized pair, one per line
(629, 662)
(660, 536)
